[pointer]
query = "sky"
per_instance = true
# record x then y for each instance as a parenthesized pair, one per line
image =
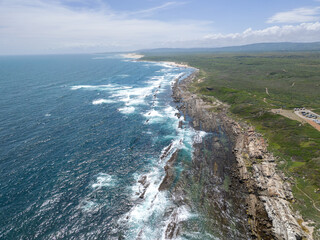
(87, 26)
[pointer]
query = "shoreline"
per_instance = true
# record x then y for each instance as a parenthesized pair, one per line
(132, 55)
(268, 190)
(174, 64)
(218, 187)
(137, 57)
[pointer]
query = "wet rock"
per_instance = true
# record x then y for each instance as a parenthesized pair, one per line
(170, 173)
(144, 185)
(166, 152)
(143, 180)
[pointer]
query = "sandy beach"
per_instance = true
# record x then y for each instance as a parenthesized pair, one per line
(176, 64)
(132, 55)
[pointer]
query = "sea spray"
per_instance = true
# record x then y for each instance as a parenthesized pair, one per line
(155, 211)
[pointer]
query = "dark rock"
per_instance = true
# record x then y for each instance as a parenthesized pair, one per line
(143, 180)
(166, 152)
(170, 173)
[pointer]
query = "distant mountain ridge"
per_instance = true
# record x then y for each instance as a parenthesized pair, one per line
(257, 47)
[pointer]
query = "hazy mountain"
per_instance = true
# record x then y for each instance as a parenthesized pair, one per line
(257, 47)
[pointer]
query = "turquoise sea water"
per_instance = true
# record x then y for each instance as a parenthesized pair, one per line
(77, 132)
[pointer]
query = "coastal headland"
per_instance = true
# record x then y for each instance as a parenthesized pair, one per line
(267, 188)
(268, 193)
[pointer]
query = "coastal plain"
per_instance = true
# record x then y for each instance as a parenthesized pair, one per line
(251, 85)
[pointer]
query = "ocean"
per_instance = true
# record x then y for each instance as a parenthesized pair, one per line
(77, 134)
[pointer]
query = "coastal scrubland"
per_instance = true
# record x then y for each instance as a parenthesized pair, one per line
(254, 83)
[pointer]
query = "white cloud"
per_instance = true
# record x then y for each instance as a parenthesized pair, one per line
(39, 26)
(298, 15)
(157, 8)
(48, 26)
(304, 32)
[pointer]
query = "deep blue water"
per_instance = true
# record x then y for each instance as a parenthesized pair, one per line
(76, 134)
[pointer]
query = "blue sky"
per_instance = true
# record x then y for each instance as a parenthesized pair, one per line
(227, 15)
(76, 26)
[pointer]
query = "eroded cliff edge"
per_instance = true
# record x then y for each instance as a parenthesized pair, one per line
(268, 191)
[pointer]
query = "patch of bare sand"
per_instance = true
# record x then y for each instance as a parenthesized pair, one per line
(133, 55)
(292, 115)
(177, 64)
(313, 124)
(289, 114)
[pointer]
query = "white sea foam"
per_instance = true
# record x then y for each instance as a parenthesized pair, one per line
(155, 103)
(101, 101)
(184, 213)
(133, 96)
(153, 116)
(153, 206)
(84, 87)
(107, 87)
(47, 115)
(164, 70)
(134, 101)
(152, 113)
(179, 215)
(126, 110)
(142, 217)
(88, 205)
(171, 112)
(103, 180)
(155, 203)
(198, 136)
(163, 64)
(92, 204)
(123, 75)
(174, 77)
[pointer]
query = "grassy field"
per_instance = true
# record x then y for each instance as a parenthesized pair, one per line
(253, 84)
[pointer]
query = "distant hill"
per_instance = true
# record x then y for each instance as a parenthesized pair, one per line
(257, 47)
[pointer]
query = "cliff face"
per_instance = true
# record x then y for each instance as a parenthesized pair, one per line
(268, 192)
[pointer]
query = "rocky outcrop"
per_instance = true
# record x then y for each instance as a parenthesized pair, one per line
(170, 173)
(268, 190)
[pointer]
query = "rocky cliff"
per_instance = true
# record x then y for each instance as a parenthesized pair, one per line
(268, 191)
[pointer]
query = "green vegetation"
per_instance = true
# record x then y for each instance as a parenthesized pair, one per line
(253, 84)
(292, 79)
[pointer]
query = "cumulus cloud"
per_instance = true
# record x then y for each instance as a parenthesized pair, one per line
(304, 32)
(298, 15)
